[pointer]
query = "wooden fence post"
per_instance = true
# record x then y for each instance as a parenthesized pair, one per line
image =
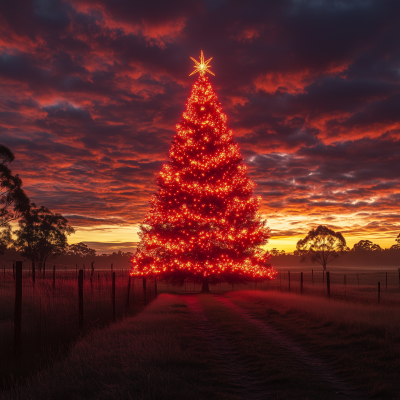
(76, 269)
(113, 294)
(289, 279)
(344, 282)
(312, 276)
(129, 290)
(44, 270)
(18, 308)
(14, 271)
(54, 277)
(328, 283)
(144, 290)
(80, 292)
(301, 282)
(386, 280)
(155, 287)
(33, 272)
(323, 276)
(399, 275)
(379, 292)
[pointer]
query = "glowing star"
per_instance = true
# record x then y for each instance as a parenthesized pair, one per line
(203, 225)
(202, 67)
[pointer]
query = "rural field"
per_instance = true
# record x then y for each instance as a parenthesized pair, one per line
(253, 341)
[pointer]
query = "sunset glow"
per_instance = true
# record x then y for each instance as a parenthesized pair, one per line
(91, 93)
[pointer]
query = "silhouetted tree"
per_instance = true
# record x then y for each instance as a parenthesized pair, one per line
(397, 245)
(366, 245)
(13, 200)
(80, 250)
(277, 253)
(321, 245)
(42, 234)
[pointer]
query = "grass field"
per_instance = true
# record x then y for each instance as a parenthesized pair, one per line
(233, 345)
(50, 316)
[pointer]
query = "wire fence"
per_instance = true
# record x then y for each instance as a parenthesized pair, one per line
(56, 307)
(50, 316)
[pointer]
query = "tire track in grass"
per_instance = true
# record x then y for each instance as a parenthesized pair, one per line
(342, 390)
(244, 385)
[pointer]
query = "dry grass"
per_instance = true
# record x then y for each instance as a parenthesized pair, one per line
(50, 317)
(360, 341)
(383, 320)
(155, 355)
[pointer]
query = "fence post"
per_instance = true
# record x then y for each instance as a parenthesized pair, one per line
(399, 275)
(144, 290)
(289, 279)
(44, 270)
(14, 271)
(113, 294)
(18, 308)
(301, 282)
(54, 276)
(76, 269)
(33, 272)
(155, 287)
(379, 292)
(328, 283)
(80, 291)
(129, 290)
(323, 276)
(312, 276)
(344, 282)
(386, 280)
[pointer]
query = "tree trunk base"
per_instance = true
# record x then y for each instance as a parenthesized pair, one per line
(205, 287)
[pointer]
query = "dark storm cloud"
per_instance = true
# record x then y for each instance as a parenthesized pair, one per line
(91, 92)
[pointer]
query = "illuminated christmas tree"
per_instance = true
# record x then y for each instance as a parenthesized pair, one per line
(203, 224)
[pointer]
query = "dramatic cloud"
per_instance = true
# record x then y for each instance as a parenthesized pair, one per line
(91, 92)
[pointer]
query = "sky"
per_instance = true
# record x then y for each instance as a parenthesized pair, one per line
(91, 91)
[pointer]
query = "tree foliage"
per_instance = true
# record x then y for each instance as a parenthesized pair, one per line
(277, 253)
(321, 245)
(13, 200)
(42, 234)
(366, 245)
(204, 222)
(397, 245)
(80, 250)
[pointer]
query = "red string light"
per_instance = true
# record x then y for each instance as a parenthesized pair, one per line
(203, 220)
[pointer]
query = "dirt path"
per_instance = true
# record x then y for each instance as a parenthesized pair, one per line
(246, 380)
(317, 367)
(238, 376)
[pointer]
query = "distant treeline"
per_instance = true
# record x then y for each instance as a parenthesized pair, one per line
(120, 260)
(386, 257)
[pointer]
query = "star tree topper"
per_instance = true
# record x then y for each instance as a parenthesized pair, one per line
(202, 67)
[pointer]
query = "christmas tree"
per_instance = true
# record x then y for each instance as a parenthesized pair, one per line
(203, 224)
